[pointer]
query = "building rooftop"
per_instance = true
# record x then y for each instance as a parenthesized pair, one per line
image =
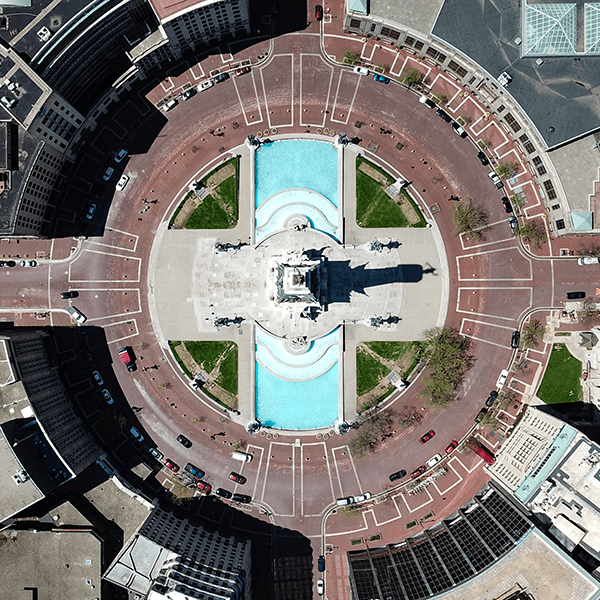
(536, 565)
(65, 564)
(559, 93)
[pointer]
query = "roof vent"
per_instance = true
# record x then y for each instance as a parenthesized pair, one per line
(539, 62)
(518, 41)
(20, 477)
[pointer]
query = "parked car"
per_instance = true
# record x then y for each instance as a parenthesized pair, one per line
(237, 478)
(491, 398)
(321, 563)
(242, 71)
(107, 397)
(223, 493)
(363, 497)
(194, 470)
(90, 212)
(398, 475)
(28, 263)
(451, 447)
(136, 434)
(361, 70)
(8, 263)
(588, 260)
(427, 102)
(442, 114)
(575, 295)
(108, 173)
(513, 223)
(126, 358)
(507, 205)
(204, 487)
(427, 436)
(205, 85)
(121, 154)
(98, 378)
(188, 94)
(171, 465)
(483, 159)
(67, 295)
(459, 130)
(241, 498)
(170, 104)
(480, 415)
(123, 181)
(345, 501)
(381, 78)
(496, 180)
(157, 455)
(434, 460)
(318, 12)
(418, 472)
(77, 315)
(515, 339)
(184, 441)
(320, 587)
(221, 77)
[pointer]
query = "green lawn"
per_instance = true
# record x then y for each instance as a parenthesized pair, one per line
(228, 376)
(215, 214)
(374, 208)
(206, 354)
(561, 382)
(369, 371)
(390, 350)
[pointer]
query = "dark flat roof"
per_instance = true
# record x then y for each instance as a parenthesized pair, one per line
(558, 93)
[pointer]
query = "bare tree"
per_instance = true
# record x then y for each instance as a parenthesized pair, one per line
(469, 219)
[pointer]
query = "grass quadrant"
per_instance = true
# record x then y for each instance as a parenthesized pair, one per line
(369, 371)
(374, 208)
(206, 354)
(562, 379)
(228, 375)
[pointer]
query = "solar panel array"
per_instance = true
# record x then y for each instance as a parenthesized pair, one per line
(436, 560)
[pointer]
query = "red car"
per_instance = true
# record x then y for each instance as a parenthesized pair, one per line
(318, 12)
(237, 478)
(242, 71)
(418, 472)
(171, 465)
(427, 436)
(452, 447)
(204, 487)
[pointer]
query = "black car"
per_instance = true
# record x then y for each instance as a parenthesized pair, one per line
(188, 94)
(242, 498)
(491, 398)
(321, 563)
(398, 475)
(67, 295)
(575, 295)
(8, 263)
(515, 339)
(442, 114)
(480, 415)
(507, 205)
(221, 77)
(184, 441)
(483, 159)
(223, 493)
(512, 221)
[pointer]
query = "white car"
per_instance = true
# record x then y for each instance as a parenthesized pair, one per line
(496, 180)
(107, 396)
(77, 315)
(361, 70)
(320, 587)
(205, 85)
(121, 154)
(362, 497)
(459, 130)
(98, 378)
(434, 460)
(28, 263)
(122, 183)
(345, 501)
(167, 106)
(588, 260)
